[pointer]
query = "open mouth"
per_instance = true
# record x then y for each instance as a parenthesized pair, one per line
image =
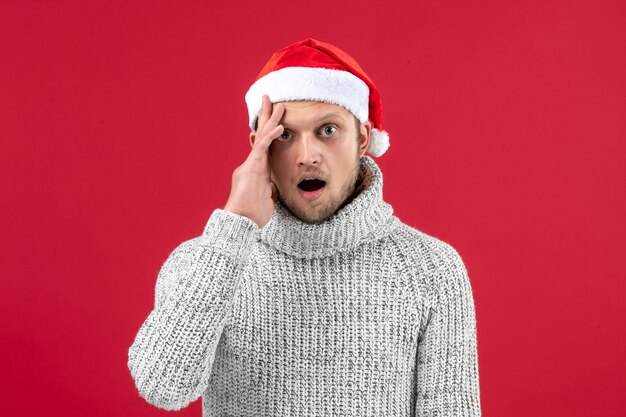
(311, 185)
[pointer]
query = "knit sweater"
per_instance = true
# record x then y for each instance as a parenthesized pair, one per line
(360, 315)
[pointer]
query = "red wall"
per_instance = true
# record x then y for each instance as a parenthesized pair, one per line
(120, 126)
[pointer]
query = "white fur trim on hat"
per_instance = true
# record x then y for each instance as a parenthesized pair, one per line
(379, 142)
(316, 84)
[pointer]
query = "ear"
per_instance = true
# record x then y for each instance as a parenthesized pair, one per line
(364, 137)
(252, 137)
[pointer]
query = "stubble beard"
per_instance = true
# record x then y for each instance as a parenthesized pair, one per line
(320, 212)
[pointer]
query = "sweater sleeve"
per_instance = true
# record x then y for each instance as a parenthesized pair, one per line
(172, 355)
(447, 357)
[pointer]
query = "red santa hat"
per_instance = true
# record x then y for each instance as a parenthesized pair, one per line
(319, 71)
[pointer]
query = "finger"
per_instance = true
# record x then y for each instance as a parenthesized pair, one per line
(264, 141)
(277, 114)
(265, 112)
(271, 135)
(274, 191)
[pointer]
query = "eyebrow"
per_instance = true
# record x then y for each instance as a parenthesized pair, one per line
(330, 115)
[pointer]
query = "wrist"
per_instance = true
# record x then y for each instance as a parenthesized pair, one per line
(239, 211)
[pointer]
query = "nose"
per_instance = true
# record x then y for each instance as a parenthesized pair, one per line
(308, 150)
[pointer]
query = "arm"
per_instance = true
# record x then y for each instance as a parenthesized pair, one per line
(172, 355)
(447, 359)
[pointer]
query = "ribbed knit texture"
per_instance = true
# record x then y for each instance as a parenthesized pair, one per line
(361, 315)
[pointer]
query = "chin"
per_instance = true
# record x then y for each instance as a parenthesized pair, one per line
(315, 220)
(319, 214)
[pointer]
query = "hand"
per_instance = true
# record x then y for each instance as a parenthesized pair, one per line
(252, 193)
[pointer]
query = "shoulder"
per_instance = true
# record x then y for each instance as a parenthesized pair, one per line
(432, 264)
(420, 248)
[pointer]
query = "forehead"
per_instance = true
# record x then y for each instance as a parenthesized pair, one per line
(312, 111)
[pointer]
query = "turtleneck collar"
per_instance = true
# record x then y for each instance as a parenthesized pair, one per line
(363, 219)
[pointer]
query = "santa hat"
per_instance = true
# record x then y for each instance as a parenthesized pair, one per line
(319, 71)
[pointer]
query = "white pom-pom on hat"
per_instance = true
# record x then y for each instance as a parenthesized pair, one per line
(318, 71)
(379, 142)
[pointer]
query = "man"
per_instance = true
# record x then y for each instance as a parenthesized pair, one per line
(305, 295)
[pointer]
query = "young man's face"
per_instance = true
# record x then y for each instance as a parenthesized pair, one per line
(320, 141)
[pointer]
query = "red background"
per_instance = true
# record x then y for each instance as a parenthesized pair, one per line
(120, 126)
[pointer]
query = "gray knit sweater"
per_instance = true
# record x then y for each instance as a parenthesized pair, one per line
(360, 315)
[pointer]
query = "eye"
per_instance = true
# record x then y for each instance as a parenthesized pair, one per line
(285, 135)
(328, 130)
